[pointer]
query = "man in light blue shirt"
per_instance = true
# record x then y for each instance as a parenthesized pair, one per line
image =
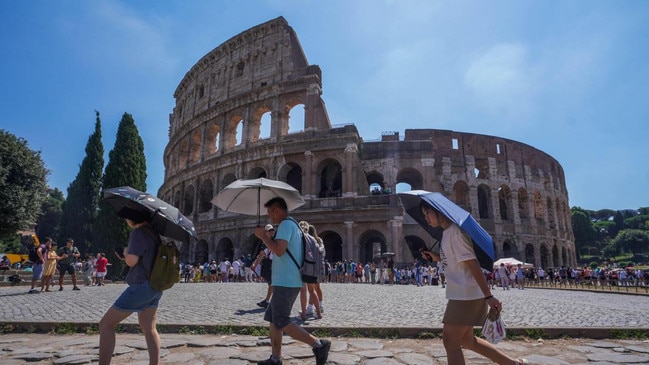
(286, 283)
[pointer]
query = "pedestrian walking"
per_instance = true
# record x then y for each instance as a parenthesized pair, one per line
(287, 283)
(468, 293)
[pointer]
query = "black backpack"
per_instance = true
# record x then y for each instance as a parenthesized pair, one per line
(33, 253)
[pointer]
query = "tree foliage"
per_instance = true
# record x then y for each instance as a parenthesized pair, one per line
(632, 240)
(582, 228)
(22, 184)
(126, 167)
(51, 211)
(80, 207)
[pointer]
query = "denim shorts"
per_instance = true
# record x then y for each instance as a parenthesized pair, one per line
(37, 271)
(137, 298)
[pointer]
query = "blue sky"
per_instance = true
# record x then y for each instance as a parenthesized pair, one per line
(567, 77)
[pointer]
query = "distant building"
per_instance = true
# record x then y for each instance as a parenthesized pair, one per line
(231, 121)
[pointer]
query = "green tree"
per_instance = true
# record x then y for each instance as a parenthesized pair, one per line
(81, 206)
(637, 222)
(126, 167)
(22, 185)
(51, 212)
(610, 251)
(582, 228)
(634, 241)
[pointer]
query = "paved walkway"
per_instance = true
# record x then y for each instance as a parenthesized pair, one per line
(350, 310)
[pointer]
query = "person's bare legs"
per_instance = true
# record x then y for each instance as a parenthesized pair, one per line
(303, 302)
(107, 326)
(297, 333)
(313, 298)
(456, 337)
(276, 341)
(147, 321)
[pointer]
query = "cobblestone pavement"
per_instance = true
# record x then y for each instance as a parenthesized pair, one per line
(350, 306)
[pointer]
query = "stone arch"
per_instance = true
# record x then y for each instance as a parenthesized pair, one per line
(523, 203)
(195, 147)
(510, 249)
(230, 139)
(372, 242)
(482, 168)
(333, 243)
(564, 257)
(205, 196)
(331, 178)
(292, 174)
(529, 254)
(250, 245)
(224, 249)
(227, 180)
(375, 181)
(555, 255)
(255, 124)
(484, 201)
(202, 254)
(545, 257)
(461, 195)
(505, 202)
(212, 134)
(561, 223)
(296, 116)
(257, 172)
(188, 200)
(411, 177)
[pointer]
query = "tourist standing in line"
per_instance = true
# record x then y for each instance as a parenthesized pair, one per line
(469, 296)
(287, 283)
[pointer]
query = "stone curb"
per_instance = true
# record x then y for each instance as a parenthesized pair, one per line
(369, 332)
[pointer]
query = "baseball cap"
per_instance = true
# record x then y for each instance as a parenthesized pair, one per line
(269, 227)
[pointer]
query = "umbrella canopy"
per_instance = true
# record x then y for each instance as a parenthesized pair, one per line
(164, 217)
(482, 243)
(249, 196)
(510, 261)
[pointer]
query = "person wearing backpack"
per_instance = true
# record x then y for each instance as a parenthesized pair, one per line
(38, 255)
(139, 296)
(68, 255)
(287, 283)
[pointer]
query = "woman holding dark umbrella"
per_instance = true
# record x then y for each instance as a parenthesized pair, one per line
(138, 297)
(467, 291)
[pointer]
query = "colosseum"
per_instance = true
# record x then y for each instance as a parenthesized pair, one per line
(252, 107)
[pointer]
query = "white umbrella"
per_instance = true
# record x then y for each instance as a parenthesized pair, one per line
(249, 196)
(510, 261)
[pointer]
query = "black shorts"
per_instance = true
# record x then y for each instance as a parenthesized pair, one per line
(63, 268)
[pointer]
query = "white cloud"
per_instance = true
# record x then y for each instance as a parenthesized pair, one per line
(501, 80)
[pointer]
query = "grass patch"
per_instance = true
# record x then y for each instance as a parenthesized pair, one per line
(636, 334)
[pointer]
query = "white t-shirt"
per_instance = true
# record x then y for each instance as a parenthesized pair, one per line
(456, 248)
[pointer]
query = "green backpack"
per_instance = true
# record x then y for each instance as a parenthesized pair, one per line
(164, 273)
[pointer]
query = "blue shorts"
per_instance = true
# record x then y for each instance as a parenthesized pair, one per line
(278, 311)
(37, 271)
(137, 298)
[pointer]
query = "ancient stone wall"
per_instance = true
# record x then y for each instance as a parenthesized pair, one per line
(235, 118)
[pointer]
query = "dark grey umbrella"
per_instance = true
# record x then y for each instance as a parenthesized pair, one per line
(164, 217)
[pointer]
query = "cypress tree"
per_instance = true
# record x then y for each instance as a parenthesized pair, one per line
(81, 205)
(126, 167)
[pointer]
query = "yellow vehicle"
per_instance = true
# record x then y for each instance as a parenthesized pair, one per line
(15, 257)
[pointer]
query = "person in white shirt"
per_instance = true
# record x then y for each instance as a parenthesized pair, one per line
(467, 291)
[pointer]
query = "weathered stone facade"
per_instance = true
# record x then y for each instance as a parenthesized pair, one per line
(515, 191)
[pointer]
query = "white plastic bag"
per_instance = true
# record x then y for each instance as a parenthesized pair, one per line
(493, 329)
